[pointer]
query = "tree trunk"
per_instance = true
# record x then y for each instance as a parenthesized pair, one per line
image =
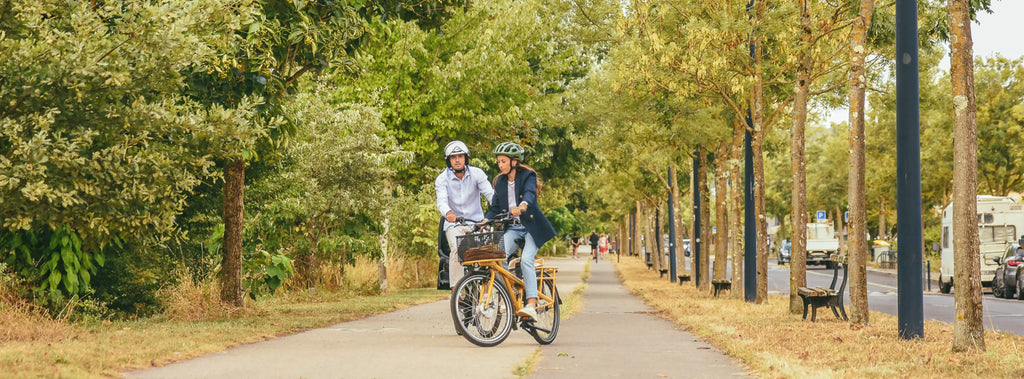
(638, 230)
(705, 224)
(968, 333)
(231, 262)
(798, 215)
(382, 264)
(857, 248)
(757, 147)
(690, 229)
(721, 211)
(659, 247)
(677, 221)
(736, 190)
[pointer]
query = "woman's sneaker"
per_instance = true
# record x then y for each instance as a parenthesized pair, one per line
(528, 312)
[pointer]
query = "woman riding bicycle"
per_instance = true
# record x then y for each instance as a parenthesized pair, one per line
(515, 192)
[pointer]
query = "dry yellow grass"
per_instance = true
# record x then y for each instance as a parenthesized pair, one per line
(195, 323)
(773, 343)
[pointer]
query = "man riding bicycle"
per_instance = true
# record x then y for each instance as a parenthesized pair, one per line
(458, 189)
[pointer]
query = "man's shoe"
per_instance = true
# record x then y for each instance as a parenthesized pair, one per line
(528, 312)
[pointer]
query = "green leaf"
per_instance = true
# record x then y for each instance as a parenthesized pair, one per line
(54, 280)
(255, 27)
(76, 242)
(71, 283)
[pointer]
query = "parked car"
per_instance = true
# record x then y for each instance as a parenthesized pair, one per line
(1009, 280)
(784, 251)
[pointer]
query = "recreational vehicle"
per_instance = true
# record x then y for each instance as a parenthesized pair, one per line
(1000, 222)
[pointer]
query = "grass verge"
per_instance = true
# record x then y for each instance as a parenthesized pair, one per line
(104, 349)
(771, 342)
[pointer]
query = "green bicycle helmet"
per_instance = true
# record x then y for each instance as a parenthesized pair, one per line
(511, 150)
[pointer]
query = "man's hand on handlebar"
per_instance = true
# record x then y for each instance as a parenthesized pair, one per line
(450, 216)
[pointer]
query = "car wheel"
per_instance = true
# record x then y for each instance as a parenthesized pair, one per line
(945, 287)
(998, 290)
(1019, 293)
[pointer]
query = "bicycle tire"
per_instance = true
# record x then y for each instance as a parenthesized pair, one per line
(545, 327)
(487, 324)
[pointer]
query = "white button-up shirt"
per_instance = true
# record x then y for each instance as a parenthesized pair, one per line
(462, 196)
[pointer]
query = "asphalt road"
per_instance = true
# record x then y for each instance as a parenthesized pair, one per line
(1000, 314)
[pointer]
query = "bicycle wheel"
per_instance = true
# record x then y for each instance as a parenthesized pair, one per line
(545, 328)
(483, 319)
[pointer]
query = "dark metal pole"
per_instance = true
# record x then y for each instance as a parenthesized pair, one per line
(696, 218)
(671, 227)
(910, 309)
(632, 231)
(749, 221)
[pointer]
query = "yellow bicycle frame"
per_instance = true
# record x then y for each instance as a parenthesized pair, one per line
(514, 285)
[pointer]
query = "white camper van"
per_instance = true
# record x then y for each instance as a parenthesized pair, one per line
(1000, 222)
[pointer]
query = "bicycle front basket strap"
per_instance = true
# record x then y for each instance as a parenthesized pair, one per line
(491, 251)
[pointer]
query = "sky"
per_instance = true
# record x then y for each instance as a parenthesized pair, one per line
(995, 32)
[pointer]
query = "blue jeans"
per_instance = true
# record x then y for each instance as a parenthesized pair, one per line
(529, 254)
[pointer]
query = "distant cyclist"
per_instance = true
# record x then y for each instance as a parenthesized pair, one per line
(459, 188)
(515, 191)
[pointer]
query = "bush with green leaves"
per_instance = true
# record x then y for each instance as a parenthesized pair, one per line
(323, 198)
(96, 141)
(53, 260)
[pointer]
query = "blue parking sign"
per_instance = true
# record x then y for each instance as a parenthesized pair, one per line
(820, 215)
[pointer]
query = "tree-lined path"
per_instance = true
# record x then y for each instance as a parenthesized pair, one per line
(615, 335)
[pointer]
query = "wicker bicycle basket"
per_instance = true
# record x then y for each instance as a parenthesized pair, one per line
(483, 245)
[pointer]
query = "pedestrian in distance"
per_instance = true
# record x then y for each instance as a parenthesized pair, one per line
(575, 246)
(516, 191)
(602, 244)
(593, 244)
(459, 189)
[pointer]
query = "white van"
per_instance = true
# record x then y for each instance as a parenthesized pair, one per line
(1000, 222)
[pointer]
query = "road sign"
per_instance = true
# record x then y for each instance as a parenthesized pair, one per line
(820, 216)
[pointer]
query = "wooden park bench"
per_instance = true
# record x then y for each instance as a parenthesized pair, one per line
(817, 297)
(683, 278)
(662, 272)
(720, 285)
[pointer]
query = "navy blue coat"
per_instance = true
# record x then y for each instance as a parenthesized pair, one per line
(526, 190)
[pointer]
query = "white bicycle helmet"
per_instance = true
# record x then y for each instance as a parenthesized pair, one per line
(455, 148)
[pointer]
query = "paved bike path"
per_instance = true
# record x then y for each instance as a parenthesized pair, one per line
(416, 342)
(617, 336)
(613, 336)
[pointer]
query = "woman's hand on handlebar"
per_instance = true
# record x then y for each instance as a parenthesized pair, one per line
(516, 211)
